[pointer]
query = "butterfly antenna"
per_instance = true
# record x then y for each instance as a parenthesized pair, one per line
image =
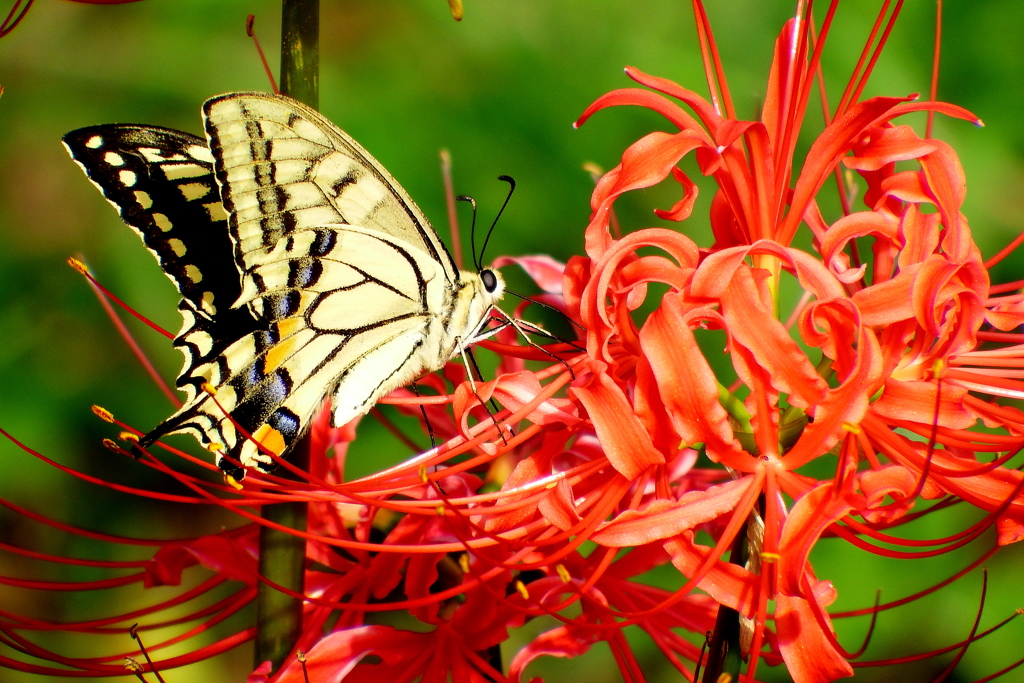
(511, 188)
(472, 228)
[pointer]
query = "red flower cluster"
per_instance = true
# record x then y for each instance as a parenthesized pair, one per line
(842, 417)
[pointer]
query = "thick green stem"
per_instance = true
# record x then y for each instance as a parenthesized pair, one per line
(300, 51)
(282, 554)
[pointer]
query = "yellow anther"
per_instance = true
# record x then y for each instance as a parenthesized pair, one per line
(78, 265)
(521, 587)
(301, 656)
(129, 437)
(232, 482)
(938, 368)
(593, 169)
(770, 557)
(111, 445)
(464, 563)
(132, 665)
(563, 573)
(422, 474)
(214, 447)
(551, 485)
(103, 413)
(456, 7)
(209, 388)
(852, 428)
(440, 510)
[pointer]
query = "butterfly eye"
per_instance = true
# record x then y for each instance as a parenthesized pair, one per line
(489, 279)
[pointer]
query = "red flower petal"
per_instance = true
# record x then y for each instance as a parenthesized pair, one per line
(686, 383)
(626, 443)
(668, 518)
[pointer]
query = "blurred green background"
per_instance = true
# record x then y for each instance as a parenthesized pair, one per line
(500, 90)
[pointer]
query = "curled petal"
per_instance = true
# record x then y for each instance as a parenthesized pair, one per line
(881, 226)
(644, 98)
(547, 272)
(564, 641)
(828, 149)
(810, 654)
(893, 481)
(668, 518)
(686, 383)
(516, 390)
(886, 144)
(646, 162)
(682, 209)
(627, 445)
(705, 112)
(816, 510)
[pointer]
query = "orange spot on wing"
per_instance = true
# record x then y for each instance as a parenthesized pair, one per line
(278, 355)
(270, 438)
(289, 326)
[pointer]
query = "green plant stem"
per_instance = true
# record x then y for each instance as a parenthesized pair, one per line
(283, 554)
(300, 51)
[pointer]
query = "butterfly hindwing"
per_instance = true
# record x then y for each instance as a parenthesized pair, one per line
(318, 338)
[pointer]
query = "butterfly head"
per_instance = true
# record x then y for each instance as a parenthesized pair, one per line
(489, 290)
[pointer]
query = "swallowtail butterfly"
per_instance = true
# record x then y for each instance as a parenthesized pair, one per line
(305, 270)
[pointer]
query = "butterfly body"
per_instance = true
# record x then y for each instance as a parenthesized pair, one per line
(326, 279)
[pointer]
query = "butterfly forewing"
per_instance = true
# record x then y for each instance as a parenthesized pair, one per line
(283, 168)
(161, 183)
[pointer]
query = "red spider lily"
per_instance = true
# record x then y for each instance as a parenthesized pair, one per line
(607, 463)
(882, 344)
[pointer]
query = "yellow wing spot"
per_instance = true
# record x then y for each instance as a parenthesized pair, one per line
(114, 159)
(143, 199)
(152, 154)
(162, 222)
(178, 171)
(128, 178)
(193, 191)
(177, 246)
(193, 273)
(269, 438)
(94, 142)
(208, 303)
(216, 211)
(202, 153)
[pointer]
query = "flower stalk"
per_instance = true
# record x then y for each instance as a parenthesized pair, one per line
(282, 557)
